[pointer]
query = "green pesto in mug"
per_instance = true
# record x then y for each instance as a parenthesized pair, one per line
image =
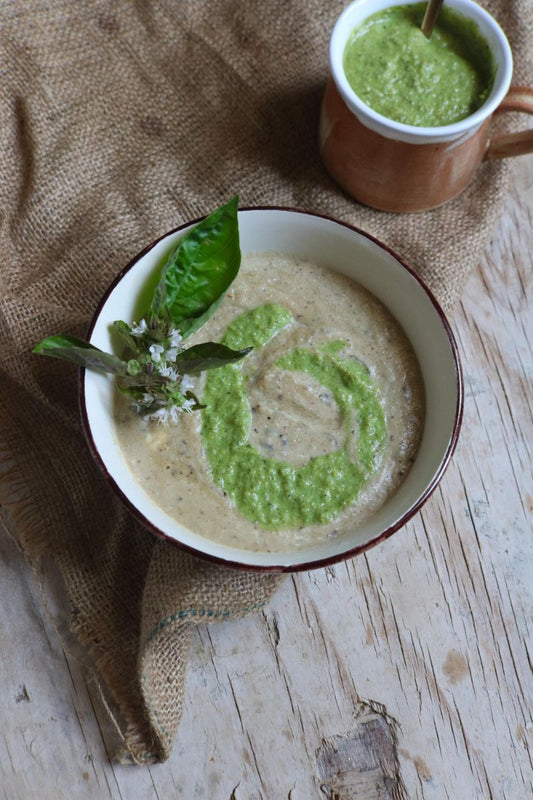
(399, 73)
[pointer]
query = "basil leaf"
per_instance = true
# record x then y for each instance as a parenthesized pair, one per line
(70, 348)
(199, 270)
(135, 392)
(131, 382)
(124, 331)
(197, 405)
(190, 326)
(208, 355)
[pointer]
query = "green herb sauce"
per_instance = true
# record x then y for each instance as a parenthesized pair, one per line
(274, 493)
(399, 73)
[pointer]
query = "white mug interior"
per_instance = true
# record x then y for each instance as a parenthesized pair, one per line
(358, 11)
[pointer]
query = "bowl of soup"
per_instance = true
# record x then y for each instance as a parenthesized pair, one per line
(326, 439)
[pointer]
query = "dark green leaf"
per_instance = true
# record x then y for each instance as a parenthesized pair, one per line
(208, 355)
(124, 331)
(199, 270)
(70, 348)
(197, 405)
(190, 326)
(135, 392)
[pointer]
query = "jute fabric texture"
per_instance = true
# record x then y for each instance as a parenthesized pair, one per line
(119, 121)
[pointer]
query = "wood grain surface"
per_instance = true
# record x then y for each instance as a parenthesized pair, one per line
(403, 673)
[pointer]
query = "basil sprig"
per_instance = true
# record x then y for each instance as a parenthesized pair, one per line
(155, 370)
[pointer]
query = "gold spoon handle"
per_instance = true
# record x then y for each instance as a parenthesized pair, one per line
(430, 17)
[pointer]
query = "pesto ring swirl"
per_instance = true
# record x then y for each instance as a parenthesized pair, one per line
(270, 492)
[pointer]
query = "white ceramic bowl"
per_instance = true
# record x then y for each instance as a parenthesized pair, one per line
(347, 250)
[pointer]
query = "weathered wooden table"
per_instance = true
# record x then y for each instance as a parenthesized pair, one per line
(402, 673)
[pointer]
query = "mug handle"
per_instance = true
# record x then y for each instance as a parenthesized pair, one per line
(518, 98)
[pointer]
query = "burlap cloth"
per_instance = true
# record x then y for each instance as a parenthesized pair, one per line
(119, 121)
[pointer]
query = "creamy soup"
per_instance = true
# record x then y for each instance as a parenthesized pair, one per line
(303, 439)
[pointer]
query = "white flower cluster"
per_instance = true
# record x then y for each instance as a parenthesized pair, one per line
(138, 330)
(169, 398)
(170, 415)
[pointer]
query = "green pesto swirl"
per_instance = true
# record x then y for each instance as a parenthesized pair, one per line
(271, 492)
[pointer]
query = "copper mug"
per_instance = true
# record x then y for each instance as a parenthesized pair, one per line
(396, 167)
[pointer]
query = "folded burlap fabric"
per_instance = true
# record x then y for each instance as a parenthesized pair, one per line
(120, 121)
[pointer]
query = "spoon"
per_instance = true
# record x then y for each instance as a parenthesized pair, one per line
(430, 17)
